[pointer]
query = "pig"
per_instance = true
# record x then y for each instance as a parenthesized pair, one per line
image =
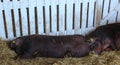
(32, 46)
(104, 38)
(116, 39)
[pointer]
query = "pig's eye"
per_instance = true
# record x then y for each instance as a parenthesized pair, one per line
(13, 42)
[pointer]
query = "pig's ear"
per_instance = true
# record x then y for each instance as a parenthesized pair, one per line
(107, 43)
(19, 42)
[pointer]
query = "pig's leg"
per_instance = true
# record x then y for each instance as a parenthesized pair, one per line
(16, 57)
(113, 46)
(108, 43)
(79, 51)
(27, 55)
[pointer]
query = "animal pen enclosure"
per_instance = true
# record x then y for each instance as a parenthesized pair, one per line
(55, 17)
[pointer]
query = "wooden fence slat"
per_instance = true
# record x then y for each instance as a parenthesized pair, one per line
(84, 16)
(24, 20)
(69, 22)
(118, 18)
(91, 13)
(32, 16)
(40, 16)
(2, 29)
(113, 4)
(1, 6)
(90, 16)
(77, 16)
(99, 4)
(7, 8)
(54, 16)
(47, 16)
(105, 11)
(62, 17)
(16, 17)
(110, 14)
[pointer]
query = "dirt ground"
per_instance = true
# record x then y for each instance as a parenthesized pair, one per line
(106, 58)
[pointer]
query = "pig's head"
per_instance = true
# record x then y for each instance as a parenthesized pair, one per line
(98, 45)
(95, 45)
(15, 45)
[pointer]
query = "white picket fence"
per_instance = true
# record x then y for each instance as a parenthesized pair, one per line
(55, 17)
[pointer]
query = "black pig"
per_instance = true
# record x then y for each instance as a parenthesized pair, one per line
(104, 37)
(50, 46)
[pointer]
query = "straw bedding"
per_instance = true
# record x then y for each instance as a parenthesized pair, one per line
(106, 58)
